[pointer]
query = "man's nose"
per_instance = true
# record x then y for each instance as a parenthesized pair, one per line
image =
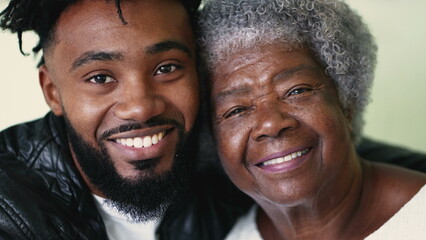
(139, 101)
(273, 118)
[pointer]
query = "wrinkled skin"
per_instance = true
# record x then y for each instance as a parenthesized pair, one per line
(271, 103)
(284, 139)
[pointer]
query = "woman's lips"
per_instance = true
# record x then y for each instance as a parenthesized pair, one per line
(285, 158)
(284, 163)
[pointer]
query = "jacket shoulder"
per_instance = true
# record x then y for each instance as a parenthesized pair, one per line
(42, 195)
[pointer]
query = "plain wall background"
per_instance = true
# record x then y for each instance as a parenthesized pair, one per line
(397, 113)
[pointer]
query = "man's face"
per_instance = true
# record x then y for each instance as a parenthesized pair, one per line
(128, 92)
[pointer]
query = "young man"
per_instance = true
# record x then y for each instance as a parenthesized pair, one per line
(121, 81)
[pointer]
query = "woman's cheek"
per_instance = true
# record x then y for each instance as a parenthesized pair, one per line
(232, 139)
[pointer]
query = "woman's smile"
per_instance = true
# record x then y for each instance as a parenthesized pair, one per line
(284, 163)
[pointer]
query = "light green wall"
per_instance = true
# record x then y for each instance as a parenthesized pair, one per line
(396, 115)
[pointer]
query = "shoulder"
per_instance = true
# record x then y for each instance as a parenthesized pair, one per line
(395, 185)
(394, 179)
(41, 193)
(387, 189)
(408, 223)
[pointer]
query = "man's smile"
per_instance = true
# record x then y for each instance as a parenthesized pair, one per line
(145, 143)
(141, 142)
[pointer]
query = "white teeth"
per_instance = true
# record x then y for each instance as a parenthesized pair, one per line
(154, 139)
(285, 158)
(139, 142)
(129, 142)
(147, 142)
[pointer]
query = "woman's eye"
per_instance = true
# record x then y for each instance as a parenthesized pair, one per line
(101, 79)
(299, 91)
(168, 68)
(235, 111)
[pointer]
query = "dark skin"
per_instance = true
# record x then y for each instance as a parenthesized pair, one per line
(284, 139)
(103, 74)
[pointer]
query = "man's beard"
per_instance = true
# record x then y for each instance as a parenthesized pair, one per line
(143, 198)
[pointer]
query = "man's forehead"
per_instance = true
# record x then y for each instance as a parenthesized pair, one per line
(93, 22)
(102, 14)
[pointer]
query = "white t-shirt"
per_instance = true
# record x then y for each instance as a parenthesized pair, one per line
(409, 223)
(120, 226)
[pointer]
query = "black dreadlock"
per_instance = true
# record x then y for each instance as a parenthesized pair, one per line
(40, 16)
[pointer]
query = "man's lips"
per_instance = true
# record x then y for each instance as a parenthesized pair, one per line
(144, 143)
(141, 138)
(141, 142)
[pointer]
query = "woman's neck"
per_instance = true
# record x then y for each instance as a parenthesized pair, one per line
(330, 214)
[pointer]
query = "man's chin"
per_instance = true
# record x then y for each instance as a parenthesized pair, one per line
(143, 197)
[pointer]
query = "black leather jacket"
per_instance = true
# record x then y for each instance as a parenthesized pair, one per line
(42, 196)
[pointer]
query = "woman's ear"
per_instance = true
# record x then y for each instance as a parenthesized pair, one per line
(348, 113)
(50, 91)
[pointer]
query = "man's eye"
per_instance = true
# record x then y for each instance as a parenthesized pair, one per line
(101, 79)
(168, 68)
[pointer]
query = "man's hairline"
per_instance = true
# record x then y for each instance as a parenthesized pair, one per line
(51, 38)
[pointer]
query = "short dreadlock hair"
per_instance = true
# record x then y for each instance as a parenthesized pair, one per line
(41, 16)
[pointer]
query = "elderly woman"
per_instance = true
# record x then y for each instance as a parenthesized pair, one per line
(289, 82)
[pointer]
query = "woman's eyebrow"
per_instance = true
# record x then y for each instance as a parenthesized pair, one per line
(285, 74)
(241, 90)
(291, 71)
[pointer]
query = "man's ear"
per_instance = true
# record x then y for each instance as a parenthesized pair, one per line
(50, 91)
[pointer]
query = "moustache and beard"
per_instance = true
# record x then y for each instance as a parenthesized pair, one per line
(144, 198)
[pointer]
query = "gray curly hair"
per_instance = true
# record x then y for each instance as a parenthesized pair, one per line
(334, 33)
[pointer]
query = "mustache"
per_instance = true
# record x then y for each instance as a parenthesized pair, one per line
(155, 121)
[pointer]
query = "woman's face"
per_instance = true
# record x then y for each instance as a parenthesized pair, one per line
(280, 130)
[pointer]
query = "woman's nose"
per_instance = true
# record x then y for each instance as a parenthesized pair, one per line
(139, 102)
(272, 119)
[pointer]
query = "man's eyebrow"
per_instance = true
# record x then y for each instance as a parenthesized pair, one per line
(91, 56)
(166, 46)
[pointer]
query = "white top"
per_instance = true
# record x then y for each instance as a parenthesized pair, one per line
(246, 228)
(121, 227)
(409, 223)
